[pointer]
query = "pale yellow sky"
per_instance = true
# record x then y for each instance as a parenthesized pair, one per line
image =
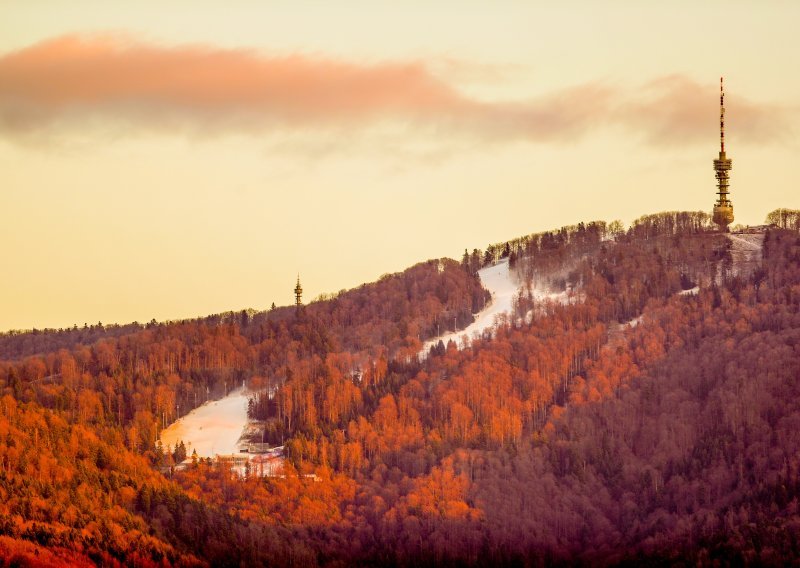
(198, 164)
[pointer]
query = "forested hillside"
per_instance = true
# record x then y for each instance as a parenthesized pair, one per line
(650, 418)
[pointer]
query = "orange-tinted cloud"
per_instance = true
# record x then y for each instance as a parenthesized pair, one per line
(80, 80)
(84, 82)
(674, 110)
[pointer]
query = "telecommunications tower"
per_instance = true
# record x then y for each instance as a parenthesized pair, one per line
(723, 208)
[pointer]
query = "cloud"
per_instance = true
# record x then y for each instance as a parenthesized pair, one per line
(675, 110)
(85, 83)
(81, 81)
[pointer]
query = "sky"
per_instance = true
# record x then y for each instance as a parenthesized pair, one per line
(172, 160)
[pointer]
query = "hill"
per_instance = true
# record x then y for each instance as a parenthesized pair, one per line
(649, 418)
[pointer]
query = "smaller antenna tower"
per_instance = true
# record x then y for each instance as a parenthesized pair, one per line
(298, 293)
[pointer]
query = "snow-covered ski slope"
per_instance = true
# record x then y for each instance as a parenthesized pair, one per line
(215, 427)
(211, 429)
(502, 285)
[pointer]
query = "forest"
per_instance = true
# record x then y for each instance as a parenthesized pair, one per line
(650, 419)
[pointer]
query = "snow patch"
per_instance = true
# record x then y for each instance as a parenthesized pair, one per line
(502, 285)
(211, 429)
(747, 241)
(745, 252)
(541, 295)
(634, 322)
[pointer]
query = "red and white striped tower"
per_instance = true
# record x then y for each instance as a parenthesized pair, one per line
(723, 208)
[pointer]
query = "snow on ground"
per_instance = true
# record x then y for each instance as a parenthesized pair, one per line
(634, 322)
(211, 429)
(746, 246)
(502, 285)
(745, 252)
(752, 241)
(545, 295)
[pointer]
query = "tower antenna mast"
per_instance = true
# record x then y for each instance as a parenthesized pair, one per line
(723, 208)
(298, 293)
